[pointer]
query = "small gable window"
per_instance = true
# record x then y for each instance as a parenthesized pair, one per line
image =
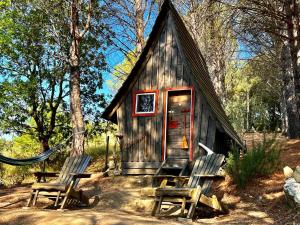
(145, 103)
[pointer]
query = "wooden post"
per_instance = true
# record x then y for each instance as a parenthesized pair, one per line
(106, 154)
(115, 156)
(120, 138)
(44, 170)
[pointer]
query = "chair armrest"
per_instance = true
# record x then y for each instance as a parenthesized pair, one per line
(45, 174)
(40, 174)
(212, 176)
(171, 176)
(80, 175)
(179, 180)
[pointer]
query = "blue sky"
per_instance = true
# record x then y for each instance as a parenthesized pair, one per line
(114, 57)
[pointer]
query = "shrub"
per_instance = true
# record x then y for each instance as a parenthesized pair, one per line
(263, 159)
(12, 175)
(96, 148)
(20, 147)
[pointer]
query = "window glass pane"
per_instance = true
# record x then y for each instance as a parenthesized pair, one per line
(145, 103)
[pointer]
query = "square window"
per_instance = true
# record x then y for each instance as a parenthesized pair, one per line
(145, 103)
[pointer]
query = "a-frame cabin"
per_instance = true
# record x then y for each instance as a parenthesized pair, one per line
(168, 104)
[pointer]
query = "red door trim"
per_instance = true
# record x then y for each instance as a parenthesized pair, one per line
(165, 103)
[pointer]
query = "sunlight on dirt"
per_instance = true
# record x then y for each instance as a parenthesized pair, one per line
(120, 202)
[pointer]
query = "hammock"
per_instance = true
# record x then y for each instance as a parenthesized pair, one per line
(23, 162)
(36, 159)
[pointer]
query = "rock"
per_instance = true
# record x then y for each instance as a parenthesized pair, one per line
(296, 174)
(292, 193)
(288, 172)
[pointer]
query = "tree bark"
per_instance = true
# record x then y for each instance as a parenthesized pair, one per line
(247, 111)
(284, 116)
(77, 119)
(139, 23)
(292, 76)
(218, 64)
(45, 143)
(209, 31)
(289, 97)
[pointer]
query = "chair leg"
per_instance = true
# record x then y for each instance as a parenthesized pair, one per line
(35, 197)
(64, 202)
(57, 198)
(30, 198)
(194, 203)
(191, 211)
(154, 208)
(183, 205)
(159, 205)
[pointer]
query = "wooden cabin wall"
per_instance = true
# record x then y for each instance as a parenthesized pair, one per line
(142, 136)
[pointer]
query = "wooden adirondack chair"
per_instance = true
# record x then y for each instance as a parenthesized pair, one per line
(197, 189)
(62, 188)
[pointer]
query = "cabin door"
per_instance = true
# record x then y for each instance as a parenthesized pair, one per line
(178, 124)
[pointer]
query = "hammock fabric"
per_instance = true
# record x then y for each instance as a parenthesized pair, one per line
(36, 159)
(23, 162)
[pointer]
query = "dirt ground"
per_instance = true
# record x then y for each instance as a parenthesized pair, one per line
(117, 200)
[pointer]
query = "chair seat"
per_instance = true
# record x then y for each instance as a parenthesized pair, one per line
(175, 191)
(50, 186)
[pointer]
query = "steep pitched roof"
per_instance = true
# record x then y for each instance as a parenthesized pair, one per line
(193, 58)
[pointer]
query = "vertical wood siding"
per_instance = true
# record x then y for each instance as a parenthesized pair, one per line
(165, 68)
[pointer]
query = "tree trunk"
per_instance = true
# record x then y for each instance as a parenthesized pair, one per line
(292, 78)
(75, 100)
(45, 143)
(139, 23)
(248, 111)
(289, 90)
(76, 113)
(216, 52)
(284, 116)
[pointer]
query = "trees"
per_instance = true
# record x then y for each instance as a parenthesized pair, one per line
(291, 9)
(211, 27)
(74, 56)
(273, 25)
(130, 23)
(252, 99)
(35, 84)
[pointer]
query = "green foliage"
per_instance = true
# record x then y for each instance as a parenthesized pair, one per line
(96, 147)
(254, 95)
(34, 48)
(121, 71)
(25, 146)
(262, 160)
(20, 147)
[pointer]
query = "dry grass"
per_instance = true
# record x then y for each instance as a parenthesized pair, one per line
(261, 202)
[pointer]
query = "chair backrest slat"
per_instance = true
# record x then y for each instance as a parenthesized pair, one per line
(208, 161)
(73, 169)
(201, 169)
(84, 164)
(69, 164)
(205, 165)
(198, 164)
(73, 164)
(206, 185)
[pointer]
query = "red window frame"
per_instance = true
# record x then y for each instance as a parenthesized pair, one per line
(135, 93)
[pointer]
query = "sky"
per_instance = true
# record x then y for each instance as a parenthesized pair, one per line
(114, 57)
